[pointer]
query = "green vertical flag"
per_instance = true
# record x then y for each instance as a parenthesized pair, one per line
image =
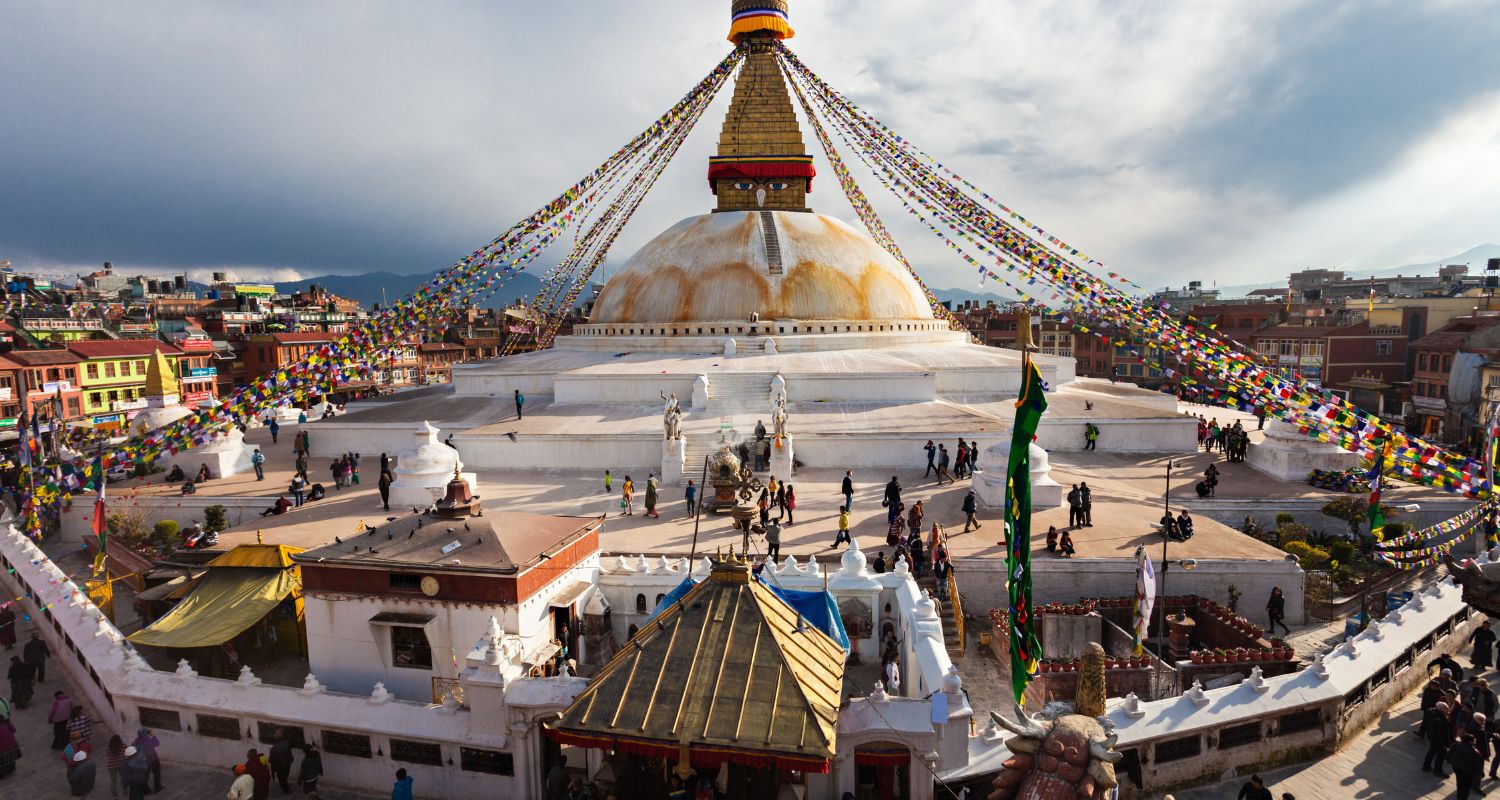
(1377, 517)
(1025, 650)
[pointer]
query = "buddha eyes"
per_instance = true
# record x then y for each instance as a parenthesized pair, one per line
(744, 186)
(776, 185)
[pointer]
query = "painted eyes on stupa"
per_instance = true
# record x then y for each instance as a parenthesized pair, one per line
(774, 186)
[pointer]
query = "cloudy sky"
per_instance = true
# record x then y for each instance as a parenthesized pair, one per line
(1229, 141)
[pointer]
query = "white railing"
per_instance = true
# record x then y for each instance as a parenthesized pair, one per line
(204, 720)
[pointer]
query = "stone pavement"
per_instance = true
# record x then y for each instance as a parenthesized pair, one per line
(39, 774)
(1382, 762)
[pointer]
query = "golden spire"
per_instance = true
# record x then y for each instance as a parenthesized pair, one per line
(762, 163)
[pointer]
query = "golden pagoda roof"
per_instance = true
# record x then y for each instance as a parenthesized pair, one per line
(726, 673)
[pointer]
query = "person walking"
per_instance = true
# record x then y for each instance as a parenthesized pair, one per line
(10, 748)
(691, 495)
(961, 459)
(81, 774)
(133, 776)
(298, 488)
(941, 566)
(651, 497)
(275, 429)
(627, 494)
(402, 788)
(258, 460)
(114, 762)
(1483, 639)
(1467, 763)
(895, 532)
(892, 499)
(145, 744)
(1439, 733)
(773, 540)
(1090, 436)
(791, 502)
(609, 481)
(915, 549)
(243, 787)
(843, 535)
(336, 469)
(280, 760)
(1276, 610)
(848, 489)
(914, 518)
(384, 485)
(942, 468)
(255, 765)
(80, 724)
(780, 501)
(1254, 789)
(931, 450)
(58, 714)
(300, 467)
(520, 403)
(36, 654)
(970, 508)
(310, 771)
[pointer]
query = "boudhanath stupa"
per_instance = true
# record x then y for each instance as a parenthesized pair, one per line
(728, 314)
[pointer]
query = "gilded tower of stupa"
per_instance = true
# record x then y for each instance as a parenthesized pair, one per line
(762, 163)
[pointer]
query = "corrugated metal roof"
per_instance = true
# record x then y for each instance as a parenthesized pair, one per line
(727, 668)
(269, 556)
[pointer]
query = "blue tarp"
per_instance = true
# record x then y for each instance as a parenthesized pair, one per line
(817, 608)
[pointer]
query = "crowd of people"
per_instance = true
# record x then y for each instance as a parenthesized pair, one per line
(1231, 440)
(1459, 717)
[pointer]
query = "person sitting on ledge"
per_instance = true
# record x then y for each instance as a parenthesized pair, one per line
(1184, 525)
(317, 493)
(1202, 488)
(204, 473)
(279, 507)
(176, 474)
(189, 488)
(1168, 525)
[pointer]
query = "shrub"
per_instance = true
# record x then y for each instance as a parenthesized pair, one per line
(165, 533)
(1342, 552)
(1292, 532)
(1284, 519)
(128, 528)
(215, 518)
(1308, 556)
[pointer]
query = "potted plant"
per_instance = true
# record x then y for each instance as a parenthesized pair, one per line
(1218, 655)
(1196, 656)
(1044, 666)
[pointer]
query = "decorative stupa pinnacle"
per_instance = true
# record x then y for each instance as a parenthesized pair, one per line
(762, 163)
(161, 382)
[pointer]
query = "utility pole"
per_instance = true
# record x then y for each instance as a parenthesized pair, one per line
(1166, 536)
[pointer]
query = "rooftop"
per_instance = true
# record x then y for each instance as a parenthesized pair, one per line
(503, 542)
(121, 348)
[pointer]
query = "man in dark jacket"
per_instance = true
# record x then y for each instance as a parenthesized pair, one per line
(35, 653)
(1254, 789)
(280, 759)
(970, 508)
(1468, 764)
(1431, 694)
(1439, 737)
(848, 490)
(259, 773)
(892, 500)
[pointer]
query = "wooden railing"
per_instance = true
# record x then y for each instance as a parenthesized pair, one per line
(957, 606)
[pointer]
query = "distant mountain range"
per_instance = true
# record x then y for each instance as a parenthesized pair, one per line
(957, 296)
(385, 287)
(1475, 257)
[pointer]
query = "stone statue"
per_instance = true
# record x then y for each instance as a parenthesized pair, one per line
(1062, 758)
(672, 420)
(1481, 584)
(778, 421)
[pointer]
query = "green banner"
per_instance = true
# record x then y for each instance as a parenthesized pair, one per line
(1025, 650)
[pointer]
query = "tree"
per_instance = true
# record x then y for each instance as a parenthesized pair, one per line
(165, 533)
(215, 518)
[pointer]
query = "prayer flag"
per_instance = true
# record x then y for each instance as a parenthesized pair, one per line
(1145, 598)
(101, 528)
(1025, 649)
(1377, 519)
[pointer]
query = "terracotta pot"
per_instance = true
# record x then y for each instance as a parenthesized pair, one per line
(1196, 656)
(1044, 667)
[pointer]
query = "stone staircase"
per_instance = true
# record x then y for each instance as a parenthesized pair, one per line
(772, 241)
(946, 611)
(732, 394)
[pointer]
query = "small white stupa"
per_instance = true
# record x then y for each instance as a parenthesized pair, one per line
(225, 455)
(424, 469)
(989, 483)
(1287, 454)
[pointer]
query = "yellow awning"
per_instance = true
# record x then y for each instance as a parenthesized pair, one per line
(225, 602)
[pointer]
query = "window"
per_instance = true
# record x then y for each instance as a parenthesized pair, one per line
(109, 369)
(346, 744)
(406, 581)
(160, 719)
(140, 368)
(640, 604)
(1421, 358)
(409, 647)
(113, 395)
(219, 727)
(92, 370)
(1383, 347)
(1447, 363)
(430, 753)
(1246, 323)
(73, 409)
(494, 762)
(96, 397)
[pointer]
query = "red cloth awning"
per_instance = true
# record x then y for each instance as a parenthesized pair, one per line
(760, 169)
